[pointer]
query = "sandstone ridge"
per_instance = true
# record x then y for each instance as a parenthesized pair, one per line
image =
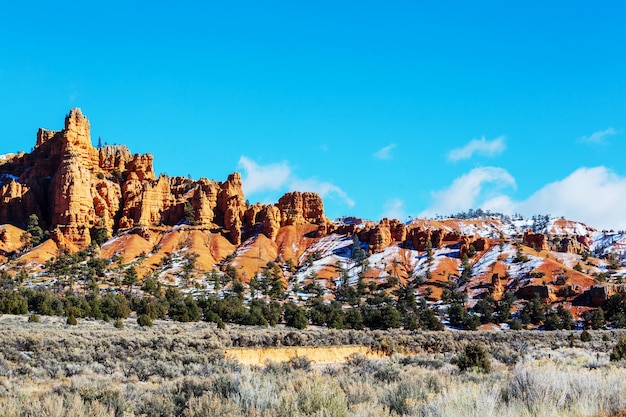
(77, 190)
(109, 200)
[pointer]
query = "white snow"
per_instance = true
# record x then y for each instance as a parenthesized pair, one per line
(483, 266)
(572, 228)
(327, 246)
(568, 259)
(604, 243)
(520, 269)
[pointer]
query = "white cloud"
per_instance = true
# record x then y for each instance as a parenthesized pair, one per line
(394, 209)
(385, 153)
(324, 189)
(595, 196)
(464, 192)
(263, 177)
(480, 146)
(599, 137)
(279, 177)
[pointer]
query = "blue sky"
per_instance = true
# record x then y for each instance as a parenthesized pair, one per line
(397, 109)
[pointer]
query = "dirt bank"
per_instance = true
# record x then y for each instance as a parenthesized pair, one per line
(317, 355)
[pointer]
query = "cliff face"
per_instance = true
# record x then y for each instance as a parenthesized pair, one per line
(76, 189)
(300, 208)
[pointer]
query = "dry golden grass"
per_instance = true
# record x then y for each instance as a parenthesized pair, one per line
(94, 369)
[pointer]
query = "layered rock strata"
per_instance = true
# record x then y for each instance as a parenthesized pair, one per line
(76, 189)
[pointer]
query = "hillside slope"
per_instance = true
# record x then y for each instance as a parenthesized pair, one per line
(68, 197)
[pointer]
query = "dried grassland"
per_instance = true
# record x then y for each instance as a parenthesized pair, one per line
(171, 369)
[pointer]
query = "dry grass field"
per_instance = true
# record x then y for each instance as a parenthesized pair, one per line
(171, 369)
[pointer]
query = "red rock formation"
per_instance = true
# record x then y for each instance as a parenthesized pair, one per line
(479, 244)
(537, 241)
(420, 238)
(530, 291)
(365, 232)
(114, 158)
(233, 220)
(497, 289)
(301, 208)
(451, 236)
(72, 202)
(381, 236)
(252, 216)
(204, 202)
(570, 245)
(598, 294)
(17, 202)
(141, 166)
(398, 230)
(232, 204)
(346, 229)
(106, 202)
(464, 245)
(583, 240)
(76, 188)
(229, 189)
(271, 216)
(436, 238)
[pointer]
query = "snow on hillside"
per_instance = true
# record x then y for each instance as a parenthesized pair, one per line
(381, 260)
(568, 259)
(520, 269)
(522, 224)
(558, 226)
(328, 252)
(605, 243)
(484, 264)
(333, 244)
(482, 229)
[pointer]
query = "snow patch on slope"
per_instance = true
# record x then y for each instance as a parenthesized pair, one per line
(568, 259)
(606, 243)
(484, 264)
(520, 269)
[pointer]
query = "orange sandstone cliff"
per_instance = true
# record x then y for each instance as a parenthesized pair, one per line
(76, 190)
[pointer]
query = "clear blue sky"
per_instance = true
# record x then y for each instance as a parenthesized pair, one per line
(387, 108)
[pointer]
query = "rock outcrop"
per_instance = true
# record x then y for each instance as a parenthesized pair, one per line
(381, 236)
(398, 230)
(114, 158)
(537, 241)
(233, 205)
(571, 245)
(271, 217)
(73, 188)
(479, 244)
(17, 202)
(301, 208)
(204, 202)
(598, 294)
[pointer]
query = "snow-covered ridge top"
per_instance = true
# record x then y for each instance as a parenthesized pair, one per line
(490, 226)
